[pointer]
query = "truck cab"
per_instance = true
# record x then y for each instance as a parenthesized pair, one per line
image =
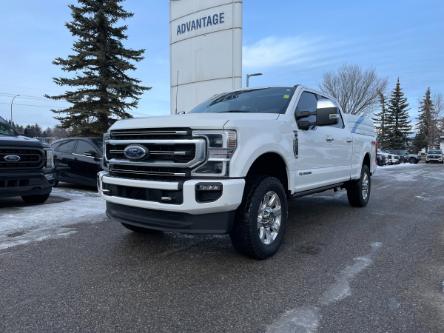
(231, 164)
(26, 166)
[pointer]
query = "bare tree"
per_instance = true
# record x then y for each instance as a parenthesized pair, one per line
(438, 101)
(356, 90)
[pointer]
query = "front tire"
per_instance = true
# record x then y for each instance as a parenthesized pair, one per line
(358, 191)
(35, 199)
(261, 219)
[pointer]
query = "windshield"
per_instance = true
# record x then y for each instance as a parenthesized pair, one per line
(5, 129)
(267, 100)
(435, 152)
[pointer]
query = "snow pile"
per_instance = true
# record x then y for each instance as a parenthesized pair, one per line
(36, 223)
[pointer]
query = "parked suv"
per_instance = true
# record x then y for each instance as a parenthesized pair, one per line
(434, 155)
(26, 166)
(78, 160)
(230, 165)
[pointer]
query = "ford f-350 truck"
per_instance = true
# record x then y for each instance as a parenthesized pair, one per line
(231, 164)
(26, 166)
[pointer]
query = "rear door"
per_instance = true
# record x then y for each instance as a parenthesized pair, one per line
(87, 163)
(64, 158)
(338, 144)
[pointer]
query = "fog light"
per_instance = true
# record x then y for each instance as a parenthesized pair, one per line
(209, 187)
(208, 192)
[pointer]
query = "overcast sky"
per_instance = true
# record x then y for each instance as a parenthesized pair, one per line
(289, 41)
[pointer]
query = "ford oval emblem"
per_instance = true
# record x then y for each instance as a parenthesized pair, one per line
(12, 158)
(135, 152)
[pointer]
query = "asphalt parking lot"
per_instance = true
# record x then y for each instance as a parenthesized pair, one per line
(341, 269)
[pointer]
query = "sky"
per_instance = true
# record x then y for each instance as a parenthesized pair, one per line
(289, 41)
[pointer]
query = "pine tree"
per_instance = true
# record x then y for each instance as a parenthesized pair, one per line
(397, 121)
(427, 130)
(380, 121)
(101, 89)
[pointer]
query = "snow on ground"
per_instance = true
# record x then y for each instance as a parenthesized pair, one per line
(397, 166)
(21, 225)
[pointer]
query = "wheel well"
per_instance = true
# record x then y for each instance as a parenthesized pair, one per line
(270, 164)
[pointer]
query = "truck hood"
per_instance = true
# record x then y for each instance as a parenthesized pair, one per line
(194, 120)
(19, 141)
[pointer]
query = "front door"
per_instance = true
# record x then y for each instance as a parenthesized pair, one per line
(311, 163)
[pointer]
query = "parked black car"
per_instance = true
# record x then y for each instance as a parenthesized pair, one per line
(78, 160)
(26, 166)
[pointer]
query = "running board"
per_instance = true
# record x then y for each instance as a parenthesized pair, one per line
(318, 190)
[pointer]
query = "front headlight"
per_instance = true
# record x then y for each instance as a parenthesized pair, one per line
(221, 146)
(49, 153)
(105, 165)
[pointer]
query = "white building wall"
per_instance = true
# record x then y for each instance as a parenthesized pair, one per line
(205, 50)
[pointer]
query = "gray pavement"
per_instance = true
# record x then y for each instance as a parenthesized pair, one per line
(341, 269)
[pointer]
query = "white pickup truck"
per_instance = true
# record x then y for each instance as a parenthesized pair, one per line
(231, 164)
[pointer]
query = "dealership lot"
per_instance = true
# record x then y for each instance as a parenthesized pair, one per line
(64, 267)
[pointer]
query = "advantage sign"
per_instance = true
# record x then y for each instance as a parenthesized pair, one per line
(206, 50)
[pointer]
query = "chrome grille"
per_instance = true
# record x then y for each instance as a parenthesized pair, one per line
(30, 158)
(171, 153)
(149, 134)
(177, 153)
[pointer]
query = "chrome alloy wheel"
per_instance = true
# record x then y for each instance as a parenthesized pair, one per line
(269, 218)
(365, 186)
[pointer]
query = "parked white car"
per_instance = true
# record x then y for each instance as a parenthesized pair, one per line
(434, 155)
(232, 163)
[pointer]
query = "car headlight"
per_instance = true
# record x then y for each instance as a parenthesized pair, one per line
(221, 145)
(105, 165)
(49, 153)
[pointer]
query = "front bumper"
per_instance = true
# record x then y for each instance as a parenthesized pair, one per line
(188, 216)
(26, 183)
(431, 159)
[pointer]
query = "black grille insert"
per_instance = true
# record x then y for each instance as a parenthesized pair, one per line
(152, 133)
(148, 173)
(30, 158)
(147, 194)
(175, 153)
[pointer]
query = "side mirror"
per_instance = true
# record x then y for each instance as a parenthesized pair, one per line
(327, 116)
(327, 113)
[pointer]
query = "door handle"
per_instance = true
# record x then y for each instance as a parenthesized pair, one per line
(349, 140)
(329, 139)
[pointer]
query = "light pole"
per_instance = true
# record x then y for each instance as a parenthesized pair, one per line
(250, 75)
(12, 102)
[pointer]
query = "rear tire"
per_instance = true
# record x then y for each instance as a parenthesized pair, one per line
(35, 199)
(141, 230)
(358, 191)
(261, 219)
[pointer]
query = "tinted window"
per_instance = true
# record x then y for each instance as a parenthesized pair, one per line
(66, 146)
(307, 106)
(268, 100)
(5, 129)
(85, 148)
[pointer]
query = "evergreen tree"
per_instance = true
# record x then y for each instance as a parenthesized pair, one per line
(427, 131)
(380, 122)
(397, 123)
(102, 91)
